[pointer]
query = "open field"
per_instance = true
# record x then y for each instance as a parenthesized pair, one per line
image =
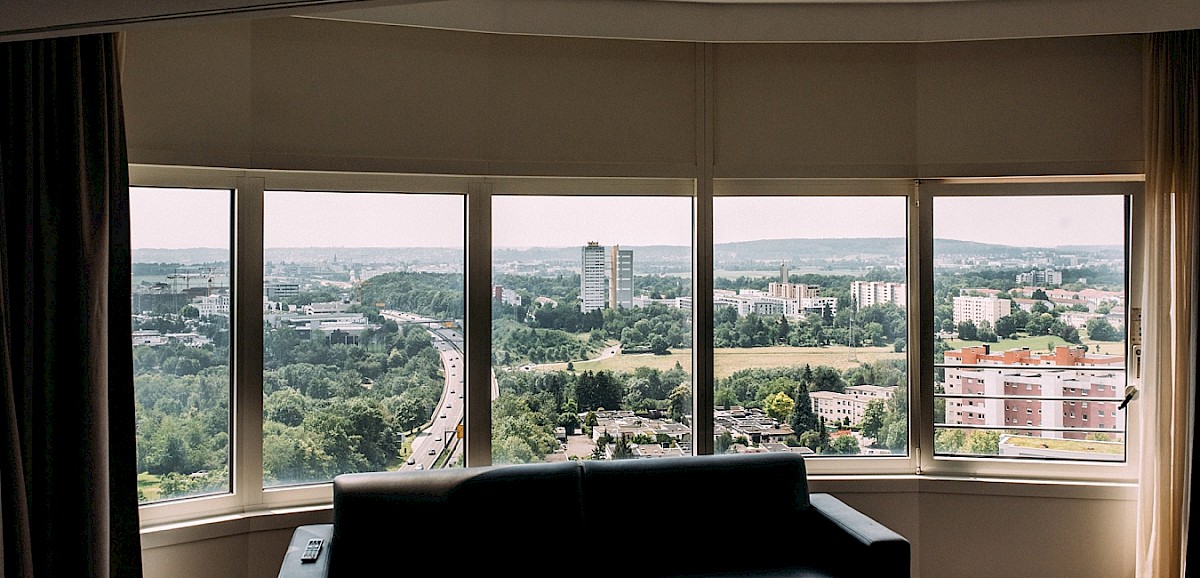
(1038, 344)
(727, 361)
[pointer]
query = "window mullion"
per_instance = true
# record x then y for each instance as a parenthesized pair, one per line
(478, 325)
(920, 327)
(247, 337)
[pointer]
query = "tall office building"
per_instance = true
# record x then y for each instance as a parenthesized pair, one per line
(592, 278)
(783, 273)
(620, 281)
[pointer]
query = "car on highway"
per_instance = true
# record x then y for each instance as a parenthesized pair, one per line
(411, 461)
(432, 452)
(443, 416)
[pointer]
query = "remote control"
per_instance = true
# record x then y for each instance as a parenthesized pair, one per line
(312, 550)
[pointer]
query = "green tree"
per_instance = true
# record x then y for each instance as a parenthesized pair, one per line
(873, 419)
(723, 442)
(802, 417)
(679, 403)
(984, 443)
(779, 406)
(844, 444)
(967, 331)
(1100, 329)
(1006, 326)
(621, 449)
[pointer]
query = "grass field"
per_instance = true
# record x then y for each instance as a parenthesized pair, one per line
(1038, 344)
(726, 361)
(148, 484)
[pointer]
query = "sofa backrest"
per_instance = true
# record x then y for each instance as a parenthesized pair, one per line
(649, 517)
(508, 514)
(697, 515)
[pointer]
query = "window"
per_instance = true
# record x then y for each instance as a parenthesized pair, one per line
(809, 309)
(362, 309)
(591, 327)
(1047, 286)
(347, 315)
(181, 310)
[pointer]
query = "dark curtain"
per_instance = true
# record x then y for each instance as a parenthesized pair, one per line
(68, 493)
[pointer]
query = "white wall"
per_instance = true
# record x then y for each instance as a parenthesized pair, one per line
(323, 95)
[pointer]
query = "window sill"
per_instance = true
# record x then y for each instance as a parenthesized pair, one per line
(272, 519)
(262, 520)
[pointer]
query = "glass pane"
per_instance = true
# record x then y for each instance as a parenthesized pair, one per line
(809, 325)
(362, 308)
(591, 330)
(181, 305)
(1041, 297)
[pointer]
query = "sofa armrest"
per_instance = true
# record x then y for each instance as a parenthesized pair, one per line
(860, 545)
(292, 567)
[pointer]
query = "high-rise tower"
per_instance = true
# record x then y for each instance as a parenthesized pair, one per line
(592, 278)
(620, 288)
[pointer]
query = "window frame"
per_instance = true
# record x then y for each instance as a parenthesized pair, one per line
(248, 187)
(1129, 185)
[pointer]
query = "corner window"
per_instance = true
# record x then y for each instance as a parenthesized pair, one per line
(1032, 291)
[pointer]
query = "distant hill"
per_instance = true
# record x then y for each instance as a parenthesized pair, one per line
(766, 251)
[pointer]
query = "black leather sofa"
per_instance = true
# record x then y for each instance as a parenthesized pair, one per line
(723, 515)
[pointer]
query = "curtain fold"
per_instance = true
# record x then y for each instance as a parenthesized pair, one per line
(68, 488)
(1169, 301)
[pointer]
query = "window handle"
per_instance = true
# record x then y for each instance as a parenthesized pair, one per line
(1130, 394)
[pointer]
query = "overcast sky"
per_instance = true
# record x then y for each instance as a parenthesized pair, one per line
(181, 218)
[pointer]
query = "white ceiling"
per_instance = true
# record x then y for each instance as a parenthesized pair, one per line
(682, 20)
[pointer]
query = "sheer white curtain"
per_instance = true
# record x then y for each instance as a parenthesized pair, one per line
(1169, 301)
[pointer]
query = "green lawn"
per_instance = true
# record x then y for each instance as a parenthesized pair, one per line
(1068, 445)
(1038, 344)
(148, 484)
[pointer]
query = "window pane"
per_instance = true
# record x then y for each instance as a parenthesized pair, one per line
(809, 326)
(181, 257)
(362, 303)
(1041, 297)
(591, 331)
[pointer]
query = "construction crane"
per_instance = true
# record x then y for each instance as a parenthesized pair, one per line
(360, 290)
(189, 273)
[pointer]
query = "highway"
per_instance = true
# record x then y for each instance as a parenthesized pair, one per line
(441, 435)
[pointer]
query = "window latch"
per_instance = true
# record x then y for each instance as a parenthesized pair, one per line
(1130, 394)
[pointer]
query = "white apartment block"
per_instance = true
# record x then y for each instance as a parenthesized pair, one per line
(592, 278)
(210, 305)
(748, 301)
(326, 308)
(852, 404)
(868, 293)
(1043, 277)
(980, 309)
